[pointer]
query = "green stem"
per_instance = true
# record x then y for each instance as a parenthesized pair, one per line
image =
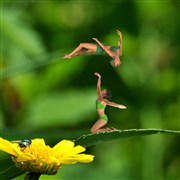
(32, 176)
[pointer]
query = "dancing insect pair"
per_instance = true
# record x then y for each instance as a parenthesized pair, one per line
(103, 95)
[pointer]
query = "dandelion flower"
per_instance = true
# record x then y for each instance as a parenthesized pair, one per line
(40, 158)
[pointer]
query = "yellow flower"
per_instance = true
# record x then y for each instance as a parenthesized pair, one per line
(41, 158)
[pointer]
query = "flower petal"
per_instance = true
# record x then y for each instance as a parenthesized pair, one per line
(78, 149)
(74, 151)
(63, 146)
(85, 158)
(69, 160)
(9, 147)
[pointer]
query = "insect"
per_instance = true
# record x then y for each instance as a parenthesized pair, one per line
(23, 143)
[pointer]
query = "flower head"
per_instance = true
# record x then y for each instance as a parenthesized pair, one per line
(40, 158)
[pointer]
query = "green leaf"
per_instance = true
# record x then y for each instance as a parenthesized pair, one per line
(93, 139)
(10, 173)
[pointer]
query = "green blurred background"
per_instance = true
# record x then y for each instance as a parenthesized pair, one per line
(46, 96)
